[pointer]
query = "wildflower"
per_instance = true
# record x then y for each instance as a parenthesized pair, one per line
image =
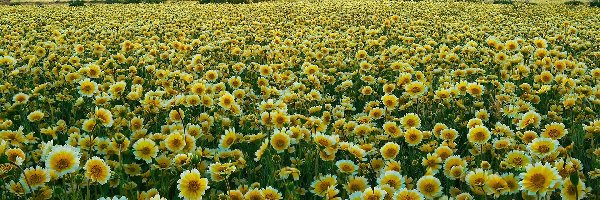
(539, 179)
(63, 159)
(145, 149)
(97, 170)
(191, 185)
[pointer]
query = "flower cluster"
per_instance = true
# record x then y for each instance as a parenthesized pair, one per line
(329, 99)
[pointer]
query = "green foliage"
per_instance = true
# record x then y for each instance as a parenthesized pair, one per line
(77, 3)
(503, 2)
(574, 3)
(133, 1)
(228, 1)
(595, 3)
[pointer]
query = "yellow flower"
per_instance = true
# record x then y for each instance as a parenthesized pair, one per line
(105, 117)
(13, 153)
(356, 184)
(406, 194)
(17, 188)
(35, 116)
(280, 140)
(87, 87)
(211, 75)
(415, 88)
(21, 98)
(411, 120)
(191, 185)
(346, 166)
(375, 193)
(391, 178)
(452, 162)
(449, 134)
(570, 191)
(554, 131)
(389, 150)
(539, 179)
(475, 89)
(320, 186)
(89, 125)
(63, 159)
(35, 177)
(389, 100)
(413, 136)
(530, 118)
(254, 194)
(429, 186)
(226, 100)
(392, 129)
(271, 193)
(511, 182)
(311, 69)
(432, 162)
(97, 170)
(175, 141)
(479, 135)
(227, 139)
(517, 159)
(176, 115)
(145, 149)
(261, 150)
(495, 185)
(542, 147)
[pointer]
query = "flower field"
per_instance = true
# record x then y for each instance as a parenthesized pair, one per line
(332, 99)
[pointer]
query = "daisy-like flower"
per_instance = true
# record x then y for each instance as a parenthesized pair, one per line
(280, 140)
(227, 139)
(346, 166)
(175, 141)
(35, 116)
(191, 185)
(415, 89)
(63, 159)
(572, 191)
(319, 187)
(356, 184)
(413, 136)
(87, 87)
(391, 178)
(390, 101)
(21, 98)
(554, 131)
(35, 177)
(226, 100)
(389, 150)
(495, 185)
(432, 162)
(530, 118)
(104, 116)
(97, 170)
(517, 159)
(392, 129)
(479, 135)
(375, 193)
(429, 186)
(271, 193)
(542, 147)
(538, 179)
(176, 115)
(254, 194)
(145, 149)
(406, 194)
(411, 120)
